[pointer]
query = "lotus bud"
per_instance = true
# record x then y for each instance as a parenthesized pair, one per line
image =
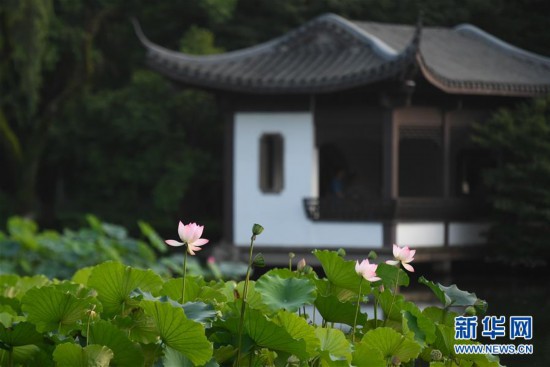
(372, 255)
(291, 255)
(470, 311)
(341, 252)
(257, 229)
(436, 355)
(259, 261)
(395, 361)
(480, 306)
(301, 264)
(92, 313)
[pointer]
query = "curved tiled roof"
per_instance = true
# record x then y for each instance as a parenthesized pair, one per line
(466, 59)
(331, 53)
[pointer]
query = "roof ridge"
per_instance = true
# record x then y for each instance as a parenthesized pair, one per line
(380, 47)
(202, 58)
(472, 30)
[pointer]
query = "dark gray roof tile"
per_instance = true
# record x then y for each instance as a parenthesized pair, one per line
(331, 53)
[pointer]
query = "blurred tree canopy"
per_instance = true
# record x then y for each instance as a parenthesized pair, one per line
(520, 184)
(85, 127)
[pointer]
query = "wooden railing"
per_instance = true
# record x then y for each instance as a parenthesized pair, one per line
(349, 209)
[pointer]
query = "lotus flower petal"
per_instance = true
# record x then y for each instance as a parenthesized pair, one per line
(173, 243)
(190, 235)
(408, 267)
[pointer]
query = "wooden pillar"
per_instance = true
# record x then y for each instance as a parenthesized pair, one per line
(390, 157)
(446, 140)
(446, 154)
(228, 114)
(390, 179)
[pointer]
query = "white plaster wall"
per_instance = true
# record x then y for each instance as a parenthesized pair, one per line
(467, 233)
(420, 234)
(282, 214)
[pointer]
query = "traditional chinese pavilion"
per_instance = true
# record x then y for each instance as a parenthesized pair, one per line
(357, 134)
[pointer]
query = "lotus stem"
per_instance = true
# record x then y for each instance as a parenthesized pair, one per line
(375, 311)
(184, 273)
(10, 358)
(243, 306)
(90, 315)
(357, 310)
(393, 299)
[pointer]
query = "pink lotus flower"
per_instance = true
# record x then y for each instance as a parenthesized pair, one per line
(402, 255)
(366, 270)
(190, 234)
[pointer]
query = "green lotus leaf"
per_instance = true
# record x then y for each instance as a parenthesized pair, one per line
(269, 334)
(234, 292)
(173, 358)
(452, 295)
(53, 310)
(14, 303)
(17, 287)
(326, 288)
(445, 342)
(422, 327)
(335, 348)
(266, 357)
(253, 297)
(392, 344)
(391, 304)
(172, 288)
(73, 355)
(333, 310)
(7, 285)
(289, 294)
(339, 271)
(8, 316)
(195, 290)
(126, 353)
(440, 316)
(199, 312)
(458, 297)
(138, 326)
(367, 356)
(152, 354)
(224, 353)
(115, 282)
(154, 239)
(82, 275)
(391, 274)
(299, 329)
(282, 272)
(21, 354)
(22, 339)
(178, 332)
(435, 289)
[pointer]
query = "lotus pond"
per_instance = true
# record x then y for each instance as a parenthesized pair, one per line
(116, 315)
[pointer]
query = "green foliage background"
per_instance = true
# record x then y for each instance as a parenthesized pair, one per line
(520, 184)
(85, 127)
